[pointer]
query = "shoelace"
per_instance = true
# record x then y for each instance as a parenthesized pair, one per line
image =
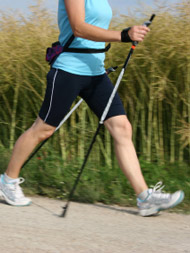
(157, 191)
(158, 187)
(15, 187)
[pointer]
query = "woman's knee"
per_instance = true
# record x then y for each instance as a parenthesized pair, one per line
(41, 130)
(119, 127)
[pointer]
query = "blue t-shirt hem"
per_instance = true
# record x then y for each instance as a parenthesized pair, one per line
(75, 72)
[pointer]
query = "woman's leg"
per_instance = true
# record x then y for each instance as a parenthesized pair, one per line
(149, 201)
(10, 182)
(26, 143)
(121, 131)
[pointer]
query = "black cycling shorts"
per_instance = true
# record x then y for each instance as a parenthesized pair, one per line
(63, 88)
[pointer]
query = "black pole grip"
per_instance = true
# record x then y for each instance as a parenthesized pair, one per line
(152, 17)
(148, 23)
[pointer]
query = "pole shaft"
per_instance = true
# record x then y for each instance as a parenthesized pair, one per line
(81, 171)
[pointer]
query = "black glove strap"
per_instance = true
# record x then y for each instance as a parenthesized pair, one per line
(125, 36)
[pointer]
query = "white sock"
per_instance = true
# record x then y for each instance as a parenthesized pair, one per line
(8, 179)
(143, 195)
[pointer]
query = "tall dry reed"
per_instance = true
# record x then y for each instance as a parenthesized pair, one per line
(155, 89)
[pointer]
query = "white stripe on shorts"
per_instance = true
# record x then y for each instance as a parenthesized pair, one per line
(54, 78)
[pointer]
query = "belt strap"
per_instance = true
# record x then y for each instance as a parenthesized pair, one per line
(87, 50)
(57, 49)
(66, 48)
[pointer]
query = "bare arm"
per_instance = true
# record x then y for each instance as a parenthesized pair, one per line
(76, 13)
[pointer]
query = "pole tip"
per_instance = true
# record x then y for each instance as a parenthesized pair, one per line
(64, 212)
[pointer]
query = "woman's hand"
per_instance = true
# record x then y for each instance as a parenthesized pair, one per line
(137, 33)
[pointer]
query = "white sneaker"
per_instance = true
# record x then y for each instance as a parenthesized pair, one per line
(157, 200)
(12, 192)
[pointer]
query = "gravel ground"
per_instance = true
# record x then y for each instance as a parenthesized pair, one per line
(89, 229)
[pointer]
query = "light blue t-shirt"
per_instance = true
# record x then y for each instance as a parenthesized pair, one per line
(97, 13)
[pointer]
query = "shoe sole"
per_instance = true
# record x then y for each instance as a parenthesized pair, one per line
(11, 202)
(153, 211)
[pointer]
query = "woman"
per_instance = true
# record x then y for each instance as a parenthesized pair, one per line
(74, 74)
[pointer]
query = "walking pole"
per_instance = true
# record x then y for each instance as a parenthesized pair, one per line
(108, 71)
(134, 44)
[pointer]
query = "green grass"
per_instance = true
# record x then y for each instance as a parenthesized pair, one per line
(48, 176)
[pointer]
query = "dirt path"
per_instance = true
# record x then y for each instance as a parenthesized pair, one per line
(89, 228)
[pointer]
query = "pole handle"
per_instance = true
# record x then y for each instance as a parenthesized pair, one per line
(152, 17)
(146, 23)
